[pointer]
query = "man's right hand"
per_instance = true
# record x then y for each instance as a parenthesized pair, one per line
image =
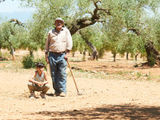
(46, 57)
(47, 60)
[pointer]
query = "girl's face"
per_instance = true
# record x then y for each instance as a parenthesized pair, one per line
(39, 69)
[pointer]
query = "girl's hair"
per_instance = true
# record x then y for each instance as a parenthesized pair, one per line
(40, 65)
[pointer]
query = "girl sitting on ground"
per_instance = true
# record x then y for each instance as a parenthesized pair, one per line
(38, 82)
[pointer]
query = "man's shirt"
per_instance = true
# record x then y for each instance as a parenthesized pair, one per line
(58, 41)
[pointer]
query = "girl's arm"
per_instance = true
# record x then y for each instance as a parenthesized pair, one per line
(33, 81)
(45, 77)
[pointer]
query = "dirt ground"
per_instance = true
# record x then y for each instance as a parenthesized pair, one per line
(110, 91)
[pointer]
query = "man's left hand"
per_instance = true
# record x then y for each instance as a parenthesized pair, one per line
(66, 57)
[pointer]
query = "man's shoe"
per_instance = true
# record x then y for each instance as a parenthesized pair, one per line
(56, 93)
(62, 94)
(43, 96)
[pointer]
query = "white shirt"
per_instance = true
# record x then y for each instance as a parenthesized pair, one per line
(58, 41)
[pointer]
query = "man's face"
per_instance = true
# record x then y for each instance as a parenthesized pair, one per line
(59, 24)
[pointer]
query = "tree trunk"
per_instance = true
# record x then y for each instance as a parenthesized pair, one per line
(93, 48)
(11, 50)
(136, 57)
(73, 54)
(84, 55)
(12, 53)
(31, 53)
(153, 56)
(0, 52)
(114, 57)
(127, 54)
(85, 22)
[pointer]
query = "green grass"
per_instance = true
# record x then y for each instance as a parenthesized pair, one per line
(89, 75)
(5, 61)
(138, 74)
(123, 72)
(11, 65)
(16, 66)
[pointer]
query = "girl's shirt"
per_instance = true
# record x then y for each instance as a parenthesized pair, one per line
(39, 78)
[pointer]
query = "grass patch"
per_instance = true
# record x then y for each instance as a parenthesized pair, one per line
(89, 75)
(5, 61)
(138, 74)
(123, 72)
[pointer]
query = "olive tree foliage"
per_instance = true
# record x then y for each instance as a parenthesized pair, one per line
(42, 22)
(152, 47)
(7, 32)
(156, 28)
(90, 40)
(78, 44)
(2, 41)
(127, 29)
(145, 33)
(124, 20)
(34, 38)
(10, 37)
(27, 36)
(77, 15)
(114, 35)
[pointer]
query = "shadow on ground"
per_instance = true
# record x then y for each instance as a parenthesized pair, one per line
(111, 112)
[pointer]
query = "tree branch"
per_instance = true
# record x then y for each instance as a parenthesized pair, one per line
(134, 31)
(85, 22)
(17, 22)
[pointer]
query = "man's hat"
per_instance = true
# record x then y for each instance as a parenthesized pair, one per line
(59, 19)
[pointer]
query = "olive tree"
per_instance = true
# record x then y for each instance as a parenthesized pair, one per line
(122, 17)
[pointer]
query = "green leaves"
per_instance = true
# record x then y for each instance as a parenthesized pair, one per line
(124, 26)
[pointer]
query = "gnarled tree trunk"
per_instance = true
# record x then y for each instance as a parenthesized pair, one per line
(84, 55)
(136, 56)
(153, 56)
(85, 22)
(12, 52)
(93, 48)
(73, 54)
(31, 53)
(114, 56)
(127, 56)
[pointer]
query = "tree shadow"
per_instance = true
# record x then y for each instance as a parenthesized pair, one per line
(111, 112)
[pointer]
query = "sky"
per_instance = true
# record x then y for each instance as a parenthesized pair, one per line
(13, 9)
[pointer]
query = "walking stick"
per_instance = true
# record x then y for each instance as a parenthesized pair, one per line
(78, 93)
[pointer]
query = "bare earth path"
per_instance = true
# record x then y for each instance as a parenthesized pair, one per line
(103, 98)
(120, 92)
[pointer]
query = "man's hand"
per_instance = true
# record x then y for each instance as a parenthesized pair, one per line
(66, 57)
(46, 57)
(47, 60)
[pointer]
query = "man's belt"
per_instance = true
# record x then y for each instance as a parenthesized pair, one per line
(58, 52)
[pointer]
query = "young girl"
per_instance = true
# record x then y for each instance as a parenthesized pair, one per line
(38, 82)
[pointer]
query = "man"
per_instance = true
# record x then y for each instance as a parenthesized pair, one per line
(58, 45)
